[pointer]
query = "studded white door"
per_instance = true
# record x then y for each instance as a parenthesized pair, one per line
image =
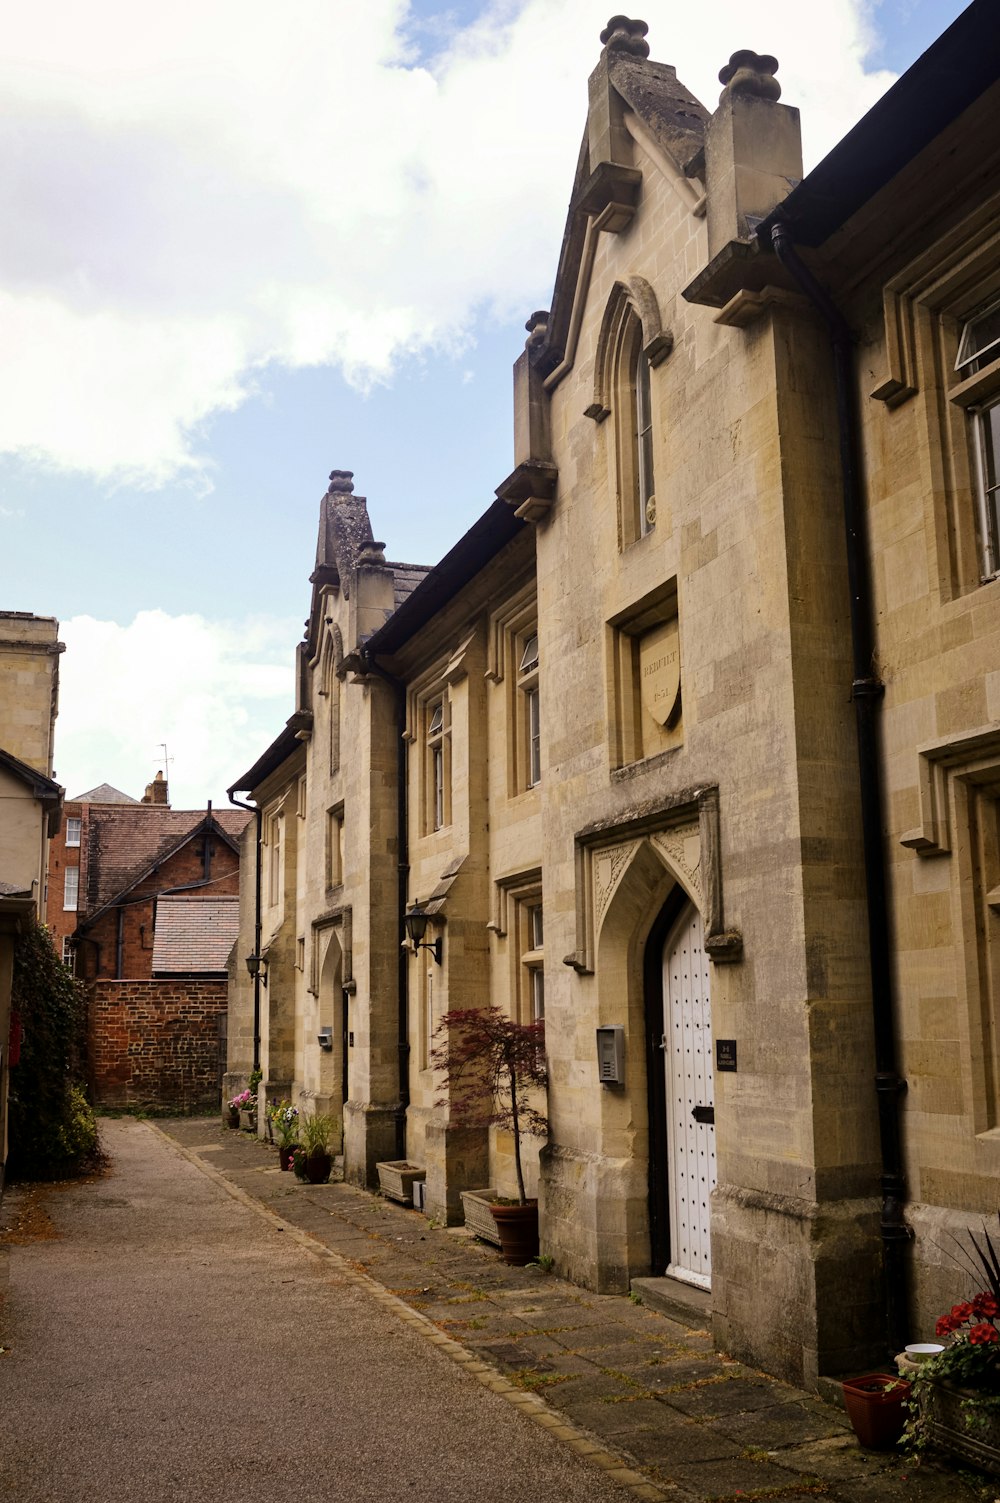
(687, 1048)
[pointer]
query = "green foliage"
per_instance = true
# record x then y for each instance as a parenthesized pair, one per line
(53, 1133)
(318, 1132)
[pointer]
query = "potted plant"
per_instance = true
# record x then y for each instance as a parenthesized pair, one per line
(317, 1138)
(233, 1111)
(244, 1104)
(957, 1392)
(490, 1065)
(284, 1119)
(874, 1405)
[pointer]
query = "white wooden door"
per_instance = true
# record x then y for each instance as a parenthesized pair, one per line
(687, 1047)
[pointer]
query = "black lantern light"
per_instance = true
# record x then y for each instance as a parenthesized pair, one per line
(416, 920)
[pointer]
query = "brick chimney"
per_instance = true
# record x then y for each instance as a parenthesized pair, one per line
(156, 792)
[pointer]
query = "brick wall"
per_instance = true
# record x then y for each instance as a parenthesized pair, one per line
(156, 1043)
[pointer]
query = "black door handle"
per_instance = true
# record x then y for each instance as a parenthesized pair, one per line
(704, 1114)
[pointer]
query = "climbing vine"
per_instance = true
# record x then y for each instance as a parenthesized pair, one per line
(52, 1131)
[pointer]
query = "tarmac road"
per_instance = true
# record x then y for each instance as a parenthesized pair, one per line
(164, 1341)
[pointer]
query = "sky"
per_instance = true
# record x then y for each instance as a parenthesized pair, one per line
(243, 247)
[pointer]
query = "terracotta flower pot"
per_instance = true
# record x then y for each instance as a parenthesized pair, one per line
(517, 1227)
(874, 1405)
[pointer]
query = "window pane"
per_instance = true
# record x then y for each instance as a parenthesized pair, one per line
(71, 888)
(529, 657)
(980, 337)
(535, 926)
(534, 739)
(644, 425)
(73, 831)
(436, 720)
(989, 435)
(438, 777)
(538, 995)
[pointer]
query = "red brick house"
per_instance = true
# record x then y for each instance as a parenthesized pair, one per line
(157, 892)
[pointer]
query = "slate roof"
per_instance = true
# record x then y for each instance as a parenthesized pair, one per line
(194, 934)
(126, 841)
(103, 794)
(405, 578)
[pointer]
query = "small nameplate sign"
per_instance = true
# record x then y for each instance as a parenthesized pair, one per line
(725, 1054)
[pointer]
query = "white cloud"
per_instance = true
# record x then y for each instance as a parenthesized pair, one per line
(191, 192)
(215, 692)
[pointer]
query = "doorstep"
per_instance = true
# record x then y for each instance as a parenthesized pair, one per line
(681, 1302)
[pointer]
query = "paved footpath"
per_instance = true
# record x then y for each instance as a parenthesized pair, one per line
(195, 1324)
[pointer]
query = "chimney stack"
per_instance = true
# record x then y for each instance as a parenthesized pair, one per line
(156, 792)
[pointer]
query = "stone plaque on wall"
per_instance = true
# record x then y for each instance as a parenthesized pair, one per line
(660, 673)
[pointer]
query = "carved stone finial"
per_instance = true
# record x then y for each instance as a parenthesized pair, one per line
(341, 483)
(371, 554)
(537, 327)
(623, 35)
(751, 73)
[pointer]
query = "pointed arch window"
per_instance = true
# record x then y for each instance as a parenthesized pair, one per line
(631, 344)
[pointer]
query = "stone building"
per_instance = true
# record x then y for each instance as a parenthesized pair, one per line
(694, 735)
(30, 799)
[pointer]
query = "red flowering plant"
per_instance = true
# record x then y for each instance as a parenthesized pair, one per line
(970, 1361)
(491, 1064)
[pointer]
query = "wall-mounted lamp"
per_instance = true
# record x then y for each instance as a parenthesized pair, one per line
(416, 920)
(257, 966)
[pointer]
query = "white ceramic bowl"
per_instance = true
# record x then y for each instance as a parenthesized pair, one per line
(921, 1351)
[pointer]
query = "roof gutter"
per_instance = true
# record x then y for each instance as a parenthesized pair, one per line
(867, 691)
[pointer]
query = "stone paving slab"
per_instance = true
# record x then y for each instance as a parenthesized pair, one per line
(668, 1417)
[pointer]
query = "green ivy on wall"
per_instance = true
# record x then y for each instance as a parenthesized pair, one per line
(52, 1131)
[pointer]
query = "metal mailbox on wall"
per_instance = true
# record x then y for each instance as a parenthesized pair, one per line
(611, 1055)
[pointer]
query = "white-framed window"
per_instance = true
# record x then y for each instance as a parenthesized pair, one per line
(977, 366)
(74, 825)
(427, 999)
(71, 889)
(437, 761)
(532, 961)
(274, 830)
(69, 953)
(528, 712)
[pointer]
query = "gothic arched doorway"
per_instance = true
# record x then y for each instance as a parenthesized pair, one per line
(681, 1099)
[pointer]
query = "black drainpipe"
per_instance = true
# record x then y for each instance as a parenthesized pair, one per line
(120, 943)
(402, 842)
(256, 925)
(867, 691)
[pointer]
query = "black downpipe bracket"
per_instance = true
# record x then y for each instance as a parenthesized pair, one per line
(867, 691)
(238, 802)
